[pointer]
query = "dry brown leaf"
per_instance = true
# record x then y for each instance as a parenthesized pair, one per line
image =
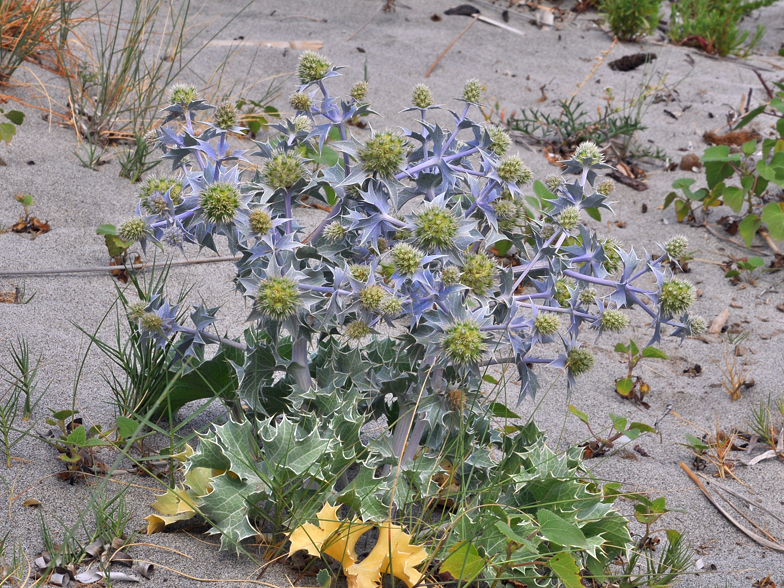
(31, 502)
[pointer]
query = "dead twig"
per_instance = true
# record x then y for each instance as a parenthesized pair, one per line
(474, 18)
(601, 59)
(764, 85)
(749, 533)
(367, 22)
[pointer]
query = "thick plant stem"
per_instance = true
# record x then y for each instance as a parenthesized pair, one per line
(299, 363)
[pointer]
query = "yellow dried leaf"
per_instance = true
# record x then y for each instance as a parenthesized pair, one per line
(184, 454)
(393, 554)
(332, 537)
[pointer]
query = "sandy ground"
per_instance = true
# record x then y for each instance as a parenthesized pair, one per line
(397, 49)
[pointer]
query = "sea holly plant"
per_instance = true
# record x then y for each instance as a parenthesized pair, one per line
(395, 302)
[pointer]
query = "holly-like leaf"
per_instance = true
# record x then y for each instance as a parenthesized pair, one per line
(555, 529)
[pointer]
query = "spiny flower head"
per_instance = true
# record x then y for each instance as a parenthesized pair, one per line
(284, 170)
(159, 185)
(614, 320)
(463, 342)
(676, 296)
(513, 170)
(390, 306)
(456, 399)
(588, 296)
(220, 202)
(135, 311)
(611, 251)
(151, 322)
(156, 203)
(302, 123)
(406, 259)
(151, 138)
(421, 96)
(562, 294)
(182, 94)
(450, 275)
(300, 101)
(372, 296)
(359, 91)
(547, 323)
(698, 325)
(312, 67)
(553, 181)
(505, 209)
(132, 230)
(579, 361)
(435, 228)
(383, 153)
(277, 297)
(260, 221)
(676, 247)
(172, 236)
(357, 329)
(547, 230)
(334, 232)
(500, 141)
(359, 272)
(472, 91)
(569, 218)
(588, 150)
(478, 273)
(606, 187)
(226, 116)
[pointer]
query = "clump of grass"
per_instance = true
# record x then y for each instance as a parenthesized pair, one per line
(31, 30)
(767, 422)
(631, 19)
(712, 25)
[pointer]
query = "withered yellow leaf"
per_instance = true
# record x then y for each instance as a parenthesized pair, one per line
(332, 537)
(393, 554)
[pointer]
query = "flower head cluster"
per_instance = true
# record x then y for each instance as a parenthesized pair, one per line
(436, 228)
(579, 361)
(472, 91)
(406, 259)
(220, 202)
(463, 342)
(605, 187)
(422, 97)
(500, 141)
(588, 150)
(260, 221)
(226, 116)
(359, 91)
(312, 67)
(569, 218)
(278, 297)
(300, 101)
(133, 230)
(513, 170)
(676, 247)
(153, 190)
(284, 170)
(182, 94)
(383, 153)
(676, 296)
(547, 323)
(614, 320)
(478, 273)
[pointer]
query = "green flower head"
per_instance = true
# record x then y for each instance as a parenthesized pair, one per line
(588, 150)
(300, 101)
(359, 272)
(132, 230)
(136, 311)
(220, 202)
(226, 115)
(450, 275)
(312, 67)
(472, 91)
(579, 361)
(553, 181)
(611, 252)
(513, 170)
(478, 273)
(676, 296)
(547, 323)
(614, 320)
(151, 322)
(260, 221)
(182, 94)
(698, 325)
(569, 218)
(284, 170)
(676, 247)
(278, 298)
(390, 306)
(383, 153)
(334, 232)
(422, 97)
(562, 294)
(372, 296)
(606, 187)
(357, 330)
(588, 296)
(406, 259)
(435, 228)
(359, 91)
(500, 141)
(153, 190)
(463, 342)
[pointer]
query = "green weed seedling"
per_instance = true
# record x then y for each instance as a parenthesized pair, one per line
(748, 270)
(75, 444)
(754, 169)
(600, 446)
(15, 119)
(137, 159)
(12, 565)
(634, 387)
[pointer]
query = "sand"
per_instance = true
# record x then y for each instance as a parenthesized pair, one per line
(396, 49)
